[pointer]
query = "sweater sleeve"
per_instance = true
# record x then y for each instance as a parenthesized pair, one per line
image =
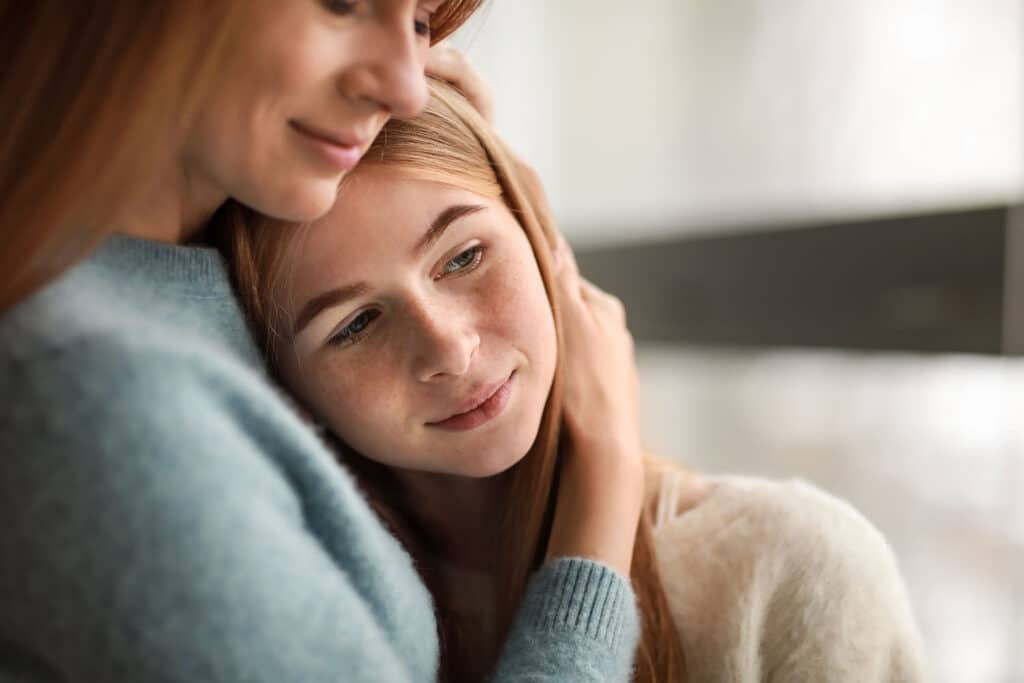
(780, 581)
(577, 624)
(147, 540)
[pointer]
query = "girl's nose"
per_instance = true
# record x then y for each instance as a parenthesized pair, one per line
(444, 346)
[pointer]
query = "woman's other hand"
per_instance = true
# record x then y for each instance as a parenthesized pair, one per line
(451, 64)
(602, 483)
(599, 376)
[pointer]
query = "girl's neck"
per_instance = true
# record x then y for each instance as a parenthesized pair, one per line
(460, 515)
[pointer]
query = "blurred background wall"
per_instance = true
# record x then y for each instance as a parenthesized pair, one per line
(812, 210)
(655, 117)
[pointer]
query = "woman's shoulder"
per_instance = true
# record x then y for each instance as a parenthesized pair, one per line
(103, 334)
(103, 380)
(110, 298)
(64, 369)
(783, 574)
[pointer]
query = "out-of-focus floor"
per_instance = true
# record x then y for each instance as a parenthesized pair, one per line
(930, 448)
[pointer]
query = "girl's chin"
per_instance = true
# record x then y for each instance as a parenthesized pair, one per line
(482, 468)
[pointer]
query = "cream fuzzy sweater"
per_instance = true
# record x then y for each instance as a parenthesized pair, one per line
(778, 581)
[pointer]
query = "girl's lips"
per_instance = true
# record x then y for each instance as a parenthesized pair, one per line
(483, 413)
(333, 152)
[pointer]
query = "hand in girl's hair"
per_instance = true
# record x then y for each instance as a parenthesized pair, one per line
(451, 64)
(602, 485)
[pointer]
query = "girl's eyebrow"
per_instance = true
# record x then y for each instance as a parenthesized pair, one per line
(339, 295)
(331, 297)
(443, 220)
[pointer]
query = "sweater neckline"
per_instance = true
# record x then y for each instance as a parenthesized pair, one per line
(197, 270)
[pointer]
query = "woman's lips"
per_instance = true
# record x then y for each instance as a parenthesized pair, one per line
(487, 410)
(336, 151)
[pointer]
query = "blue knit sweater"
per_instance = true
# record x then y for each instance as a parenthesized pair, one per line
(164, 516)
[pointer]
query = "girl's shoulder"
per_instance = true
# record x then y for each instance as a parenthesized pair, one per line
(781, 574)
(772, 505)
(767, 533)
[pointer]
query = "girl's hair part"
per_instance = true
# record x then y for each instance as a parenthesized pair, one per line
(93, 95)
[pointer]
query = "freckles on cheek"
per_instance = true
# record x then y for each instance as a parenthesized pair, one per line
(363, 392)
(516, 296)
(338, 389)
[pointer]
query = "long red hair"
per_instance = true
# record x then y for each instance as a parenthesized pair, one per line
(88, 88)
(450, 143)
(95, 95)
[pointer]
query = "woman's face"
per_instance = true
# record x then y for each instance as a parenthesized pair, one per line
(423, 336)
(305, 90)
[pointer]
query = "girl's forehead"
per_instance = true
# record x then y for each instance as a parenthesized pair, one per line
(390, 203)
(380, 213)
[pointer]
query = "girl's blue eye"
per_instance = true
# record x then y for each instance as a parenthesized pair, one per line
(355, 330)
(467, 260)
(422, 28)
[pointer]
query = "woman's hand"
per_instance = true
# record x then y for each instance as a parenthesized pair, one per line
(451, 64)
(599, 380)
(602, 482)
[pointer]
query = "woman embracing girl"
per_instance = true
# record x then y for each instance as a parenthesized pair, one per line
(435, 326)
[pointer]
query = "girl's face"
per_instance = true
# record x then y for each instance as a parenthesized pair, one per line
(305, 90)
(422, 333)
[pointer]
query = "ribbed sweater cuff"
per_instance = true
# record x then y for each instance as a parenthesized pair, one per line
(585, 597)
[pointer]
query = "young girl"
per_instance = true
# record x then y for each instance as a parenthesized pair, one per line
(430, 322)
(166, 515)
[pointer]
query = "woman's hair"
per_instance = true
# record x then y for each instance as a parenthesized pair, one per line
(450, 143)
(94, 95)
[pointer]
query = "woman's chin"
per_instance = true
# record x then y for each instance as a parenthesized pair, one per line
(302, 201)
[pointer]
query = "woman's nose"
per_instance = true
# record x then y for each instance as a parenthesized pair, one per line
(444, 345)
(388, 73)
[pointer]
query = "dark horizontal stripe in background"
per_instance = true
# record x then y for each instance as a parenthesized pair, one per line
(914, 283)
